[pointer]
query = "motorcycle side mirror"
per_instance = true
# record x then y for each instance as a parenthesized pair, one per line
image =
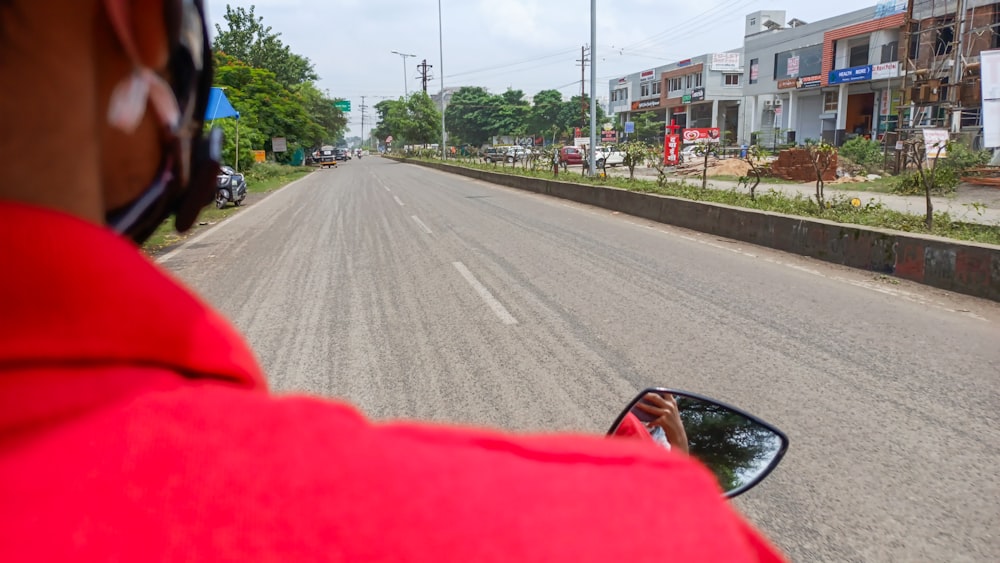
(739, 448)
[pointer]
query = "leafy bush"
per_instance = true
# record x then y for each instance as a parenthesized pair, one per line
(266, 170)
(947, 173)
(863, 151)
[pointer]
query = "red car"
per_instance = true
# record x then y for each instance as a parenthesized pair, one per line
(570, 155)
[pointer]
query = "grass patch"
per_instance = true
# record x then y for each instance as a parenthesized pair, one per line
(262, 178)
(839, 208)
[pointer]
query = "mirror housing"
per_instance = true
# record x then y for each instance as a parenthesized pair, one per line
(737, 447)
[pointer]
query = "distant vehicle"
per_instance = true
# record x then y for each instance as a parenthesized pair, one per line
(325, 158)
(341, 154)
(570, 155)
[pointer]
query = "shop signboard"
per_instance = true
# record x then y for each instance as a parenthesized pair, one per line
(885, 70)
(644, 104)
(647, 75)
(852, 74)
(808, 81)
(630, 127)
(786, 83)
(686, 99)
(935, 140)
(609, 137)
(698, 95)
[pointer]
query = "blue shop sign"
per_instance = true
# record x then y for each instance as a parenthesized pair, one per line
(853, 74)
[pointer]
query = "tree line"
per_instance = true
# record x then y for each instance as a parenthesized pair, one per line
(274, 90)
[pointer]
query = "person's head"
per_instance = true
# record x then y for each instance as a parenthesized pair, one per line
(102, 109)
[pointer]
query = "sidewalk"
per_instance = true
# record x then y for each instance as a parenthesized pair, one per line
(958, 205)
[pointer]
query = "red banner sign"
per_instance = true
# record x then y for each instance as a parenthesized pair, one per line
(701, 135)
(671, 149)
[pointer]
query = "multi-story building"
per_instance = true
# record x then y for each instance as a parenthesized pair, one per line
(944, 57)
(702, 91)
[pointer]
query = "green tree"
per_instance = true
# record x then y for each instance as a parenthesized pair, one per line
(391, 114)
(647, 127)
(249, 40)
(470, 115)
(543, 117)
(421, 122)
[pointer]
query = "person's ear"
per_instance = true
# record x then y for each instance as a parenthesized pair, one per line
(147, 29)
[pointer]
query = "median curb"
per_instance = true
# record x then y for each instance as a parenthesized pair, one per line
(964, 267)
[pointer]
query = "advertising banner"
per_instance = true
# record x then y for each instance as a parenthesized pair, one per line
(630, 127)
(647, 75)
(786, 83)
(278, 144)
(725, 61)
(609, 137)
(701, 135)
(793, 66)
(935, 140)
(991, 97)
(808, 81)
(698, 95)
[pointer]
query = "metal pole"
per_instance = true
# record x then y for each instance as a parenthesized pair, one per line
(406, 92)
(593, 86)
(956, 79)
(441, 77)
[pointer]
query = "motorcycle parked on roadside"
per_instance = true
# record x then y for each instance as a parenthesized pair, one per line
(230, 186)
(737, 447)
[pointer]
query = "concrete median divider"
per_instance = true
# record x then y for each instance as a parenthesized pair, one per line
(965, 267)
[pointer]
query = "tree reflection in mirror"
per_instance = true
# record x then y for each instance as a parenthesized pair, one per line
(739, 448)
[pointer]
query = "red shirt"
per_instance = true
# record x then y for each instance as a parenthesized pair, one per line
(136, 425)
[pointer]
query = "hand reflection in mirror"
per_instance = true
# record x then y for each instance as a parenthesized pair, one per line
(663, 420)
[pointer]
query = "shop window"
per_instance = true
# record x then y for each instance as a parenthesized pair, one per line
(859, 55)
(656, 88)
(644, 90)
(945, 35)
(830, 102)
(890, 52)
(697, 80)
(730, 79)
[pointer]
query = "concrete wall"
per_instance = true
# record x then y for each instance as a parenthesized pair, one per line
(969, 268)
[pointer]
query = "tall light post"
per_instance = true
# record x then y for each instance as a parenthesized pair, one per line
(441, 76)
(406, 92)
(593, 87)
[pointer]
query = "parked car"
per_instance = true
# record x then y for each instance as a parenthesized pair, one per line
(494, 154)
(570, 155)
(608, 156)
(341, 154)
(517, 154)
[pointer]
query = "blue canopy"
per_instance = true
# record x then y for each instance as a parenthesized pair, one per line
(219, 106)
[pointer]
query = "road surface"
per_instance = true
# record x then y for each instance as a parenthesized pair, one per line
(418, 294)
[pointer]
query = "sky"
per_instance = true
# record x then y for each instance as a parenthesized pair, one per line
(530, 45)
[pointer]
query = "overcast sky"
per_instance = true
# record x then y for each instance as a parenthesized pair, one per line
(529, 45)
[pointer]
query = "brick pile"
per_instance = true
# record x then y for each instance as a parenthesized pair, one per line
(794, 164)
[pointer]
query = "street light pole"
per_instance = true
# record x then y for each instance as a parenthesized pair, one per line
(441, 77)
(593, 87)
(406, 92)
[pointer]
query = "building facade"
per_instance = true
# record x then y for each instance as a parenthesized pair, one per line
(702, 91)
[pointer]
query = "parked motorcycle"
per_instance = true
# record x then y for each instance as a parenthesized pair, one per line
(737, 447)
(230, 186)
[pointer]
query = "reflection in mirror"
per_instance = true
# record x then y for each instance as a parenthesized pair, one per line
(738, 448)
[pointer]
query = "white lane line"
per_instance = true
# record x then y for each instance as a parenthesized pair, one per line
(497, 307)
(422, 225)
(399, 201)
(386, 188)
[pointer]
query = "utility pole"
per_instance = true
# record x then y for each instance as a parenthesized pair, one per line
(909, 68)
(583, 60)
(363, 107)
(424, 77)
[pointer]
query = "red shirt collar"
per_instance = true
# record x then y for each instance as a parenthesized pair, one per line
(76, 293)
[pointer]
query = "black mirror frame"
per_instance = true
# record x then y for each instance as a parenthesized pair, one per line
(771, 427)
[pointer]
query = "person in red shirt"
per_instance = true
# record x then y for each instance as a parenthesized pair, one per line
(135, 424)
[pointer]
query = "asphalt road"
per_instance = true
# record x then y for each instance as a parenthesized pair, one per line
(417, 294)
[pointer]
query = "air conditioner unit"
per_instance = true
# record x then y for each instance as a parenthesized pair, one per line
(777, 102)
(767, 103)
